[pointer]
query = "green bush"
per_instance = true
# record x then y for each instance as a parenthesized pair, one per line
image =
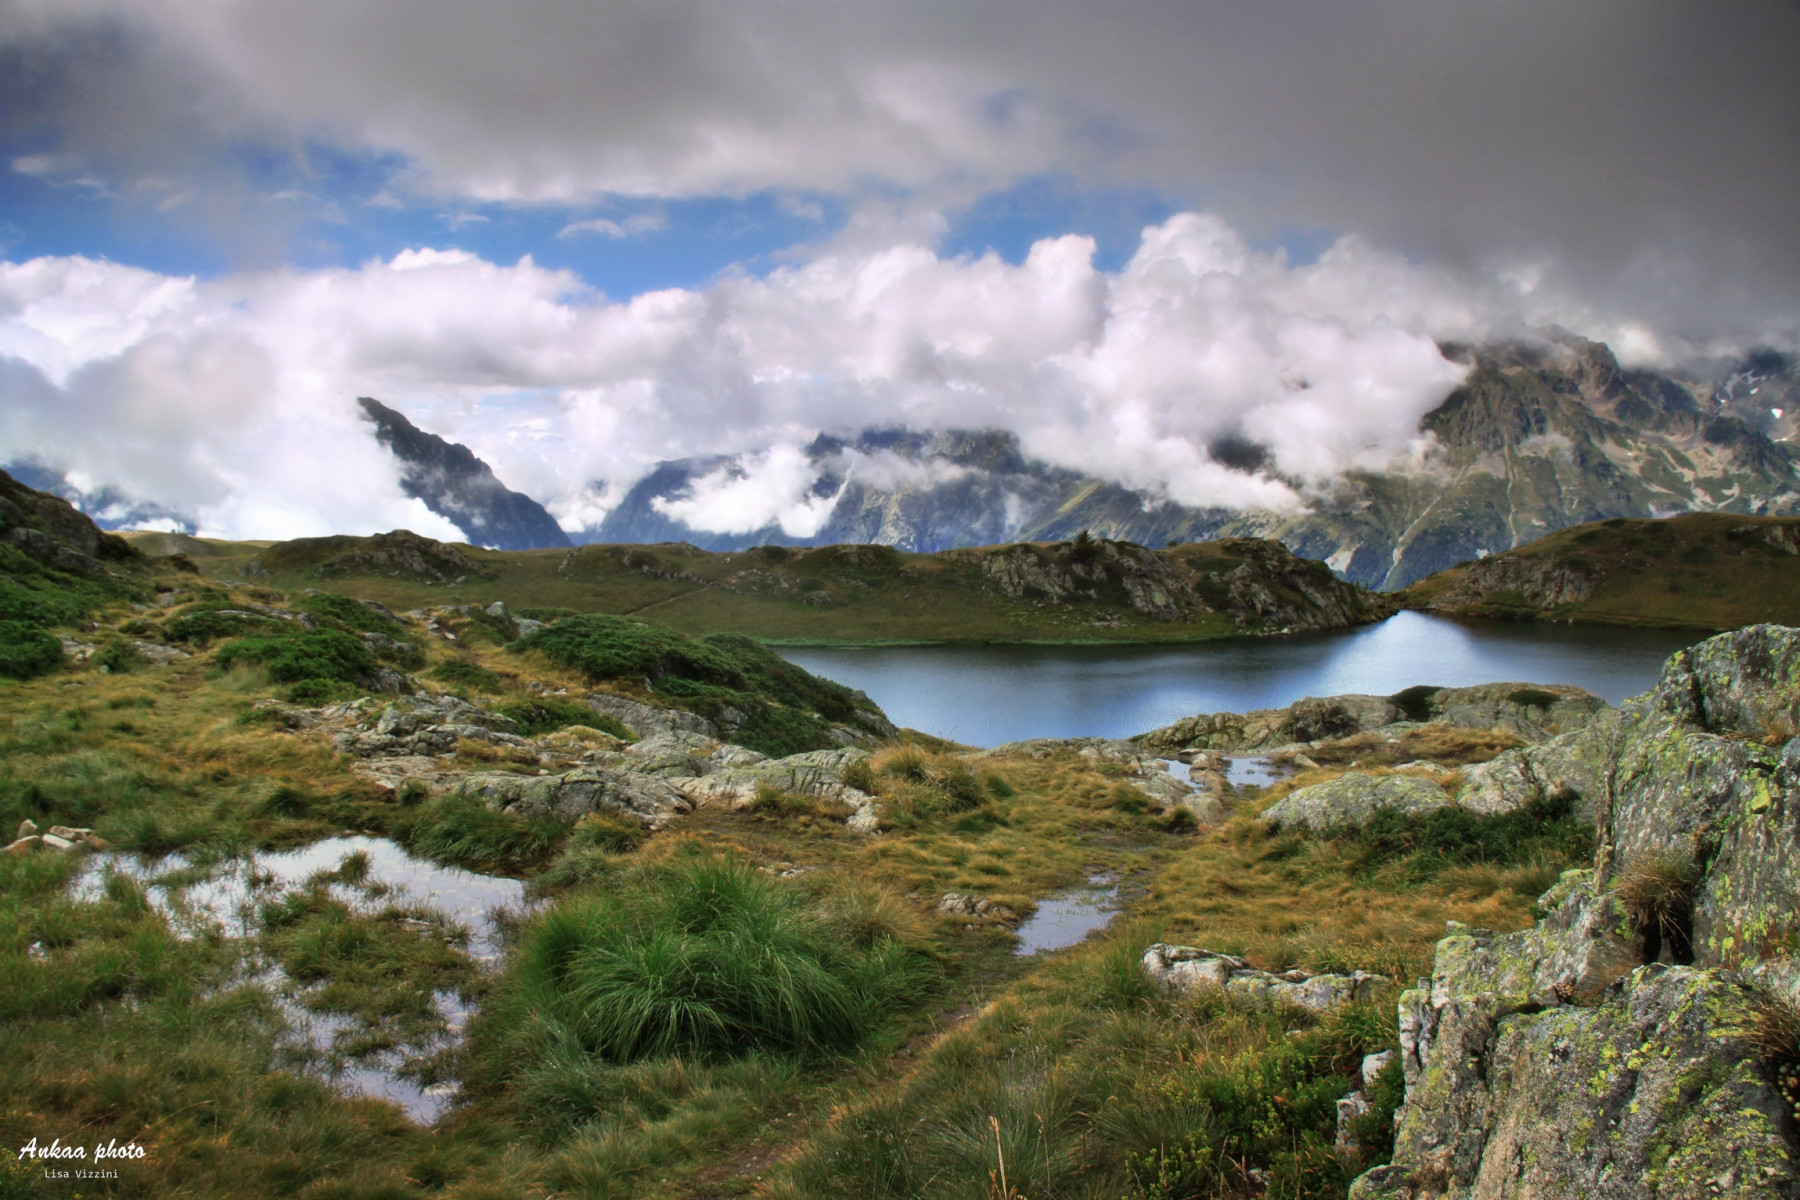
(316, 692)
(119, 657)
(710, 958)
(27, 650)
(785, 709)
(308, 654)
(352, 613)
(546, 715)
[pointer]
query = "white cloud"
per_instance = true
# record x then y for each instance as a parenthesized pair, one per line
(233, 398)
(631, 226)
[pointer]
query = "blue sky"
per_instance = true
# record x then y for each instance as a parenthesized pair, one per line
(584, 239)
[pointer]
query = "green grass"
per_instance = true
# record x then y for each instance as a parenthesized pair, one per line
(1420, 845)
(456, 829)
(781, 708)
(712, 959)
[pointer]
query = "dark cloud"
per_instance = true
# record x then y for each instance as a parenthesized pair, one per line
(1641, 154)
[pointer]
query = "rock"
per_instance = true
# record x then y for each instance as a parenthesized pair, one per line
(644, 719)
(157, 655)
(1652, 1091)
(1350, 800)
(56, 842)
(1515, 707)
(71, 834)
(955, 904)
(27, 828)
(674, 752)
(1349, 1109)
(1188, 968)
(1373, 1065)
(577, 793)
(1559, 1060)
(24, 845)
(497, 609)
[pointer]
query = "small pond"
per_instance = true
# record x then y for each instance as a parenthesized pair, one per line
(196, 893)
(1068, 917)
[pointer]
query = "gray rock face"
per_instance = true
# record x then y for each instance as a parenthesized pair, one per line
(1350, 800)
(1188, 968)
(645, 719)
(1559, 1061)
(579, 792)
(1514, 707)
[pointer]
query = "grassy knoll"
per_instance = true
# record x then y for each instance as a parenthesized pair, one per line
(1092, 591)
(748, 1000)
(1711, 571)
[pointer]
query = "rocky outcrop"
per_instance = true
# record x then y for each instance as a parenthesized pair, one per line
(1530, 712)
(52, 531)
(1608, 1050)
(577, 793)
(1189, 969)
(646, 719)
(1350, 800)
(1528, 581)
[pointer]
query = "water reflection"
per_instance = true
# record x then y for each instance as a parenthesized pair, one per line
(197, 894)
(1067, 917)
(986, 695)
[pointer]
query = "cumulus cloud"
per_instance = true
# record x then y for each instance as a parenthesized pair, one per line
(233, 398)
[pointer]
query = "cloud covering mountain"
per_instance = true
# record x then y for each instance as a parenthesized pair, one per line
(340, 200)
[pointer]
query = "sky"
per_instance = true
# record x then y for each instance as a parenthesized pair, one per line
(586, 238)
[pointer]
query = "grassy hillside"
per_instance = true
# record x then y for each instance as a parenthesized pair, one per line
(749, 1001)
(1080, 590)
(1700, 571)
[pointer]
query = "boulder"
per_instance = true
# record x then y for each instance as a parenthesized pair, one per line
(576, 793)
(1350, 800)
(645, 719)
(1188, 968)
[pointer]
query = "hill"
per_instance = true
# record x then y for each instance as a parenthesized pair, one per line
(1084, 589)
(1700, 571)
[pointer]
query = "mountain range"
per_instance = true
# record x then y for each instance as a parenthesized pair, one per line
(1542, 434)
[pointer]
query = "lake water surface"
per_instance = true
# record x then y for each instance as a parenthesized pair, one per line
(986, 695)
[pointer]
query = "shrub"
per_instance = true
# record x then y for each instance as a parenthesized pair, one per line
(547, 715)
(316, 692)
(27, 650)
(119, 656)
(785, 709)
(205, 626)
(714, 959)
(352, 613)
(1534, 697)
(309, 654)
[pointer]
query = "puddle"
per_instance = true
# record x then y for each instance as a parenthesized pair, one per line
(198, 894)
(1067, 917)
(1243, 770)
(1177, 768)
